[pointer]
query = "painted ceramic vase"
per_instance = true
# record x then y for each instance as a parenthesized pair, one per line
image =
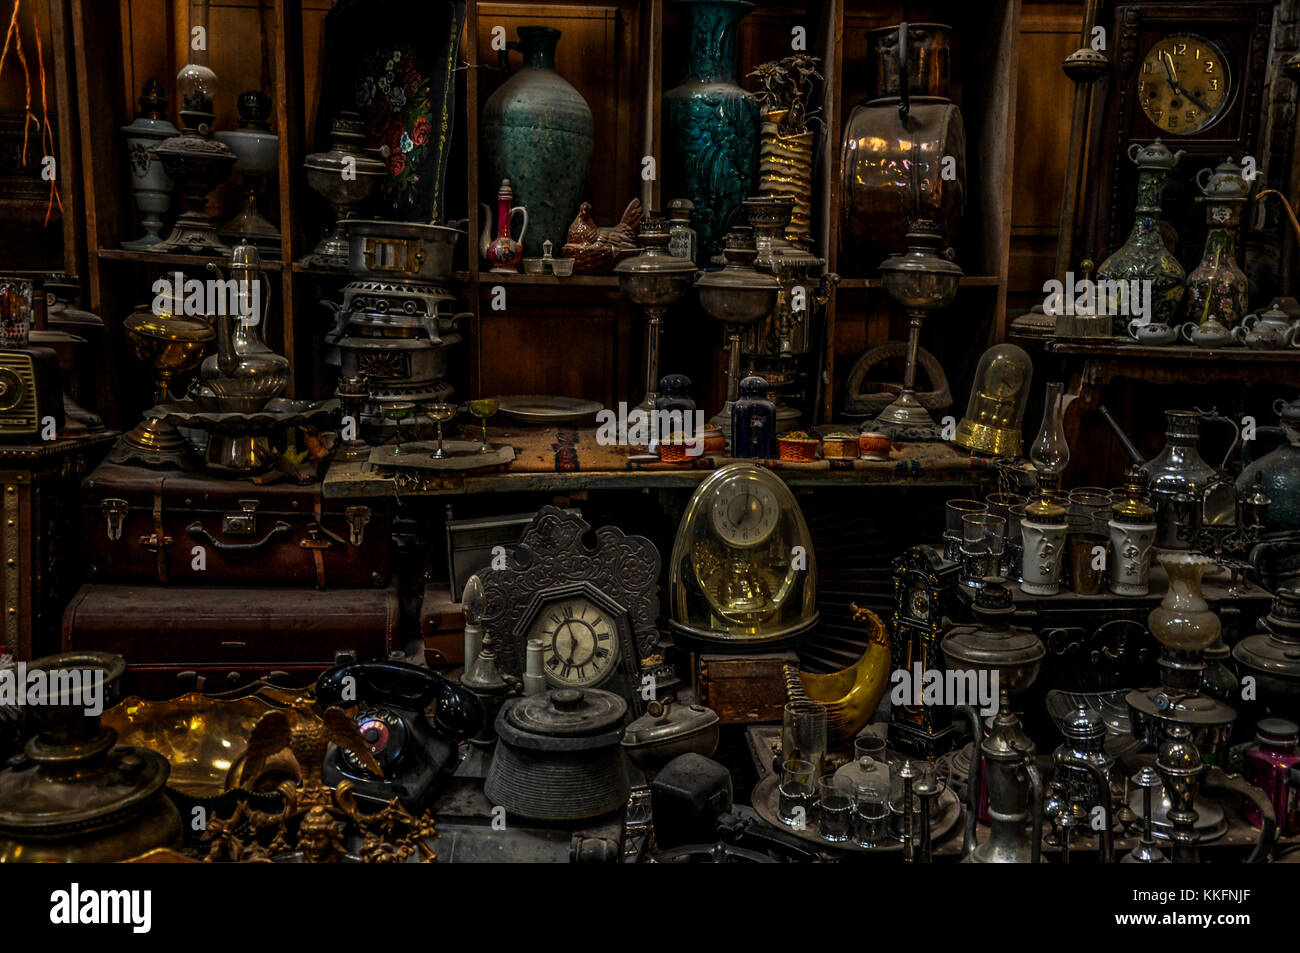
(1145, 257)
(150, 185)
(1131, 557)
(1044, 544)
(1217, 285)
(537, 131)
(712, 124)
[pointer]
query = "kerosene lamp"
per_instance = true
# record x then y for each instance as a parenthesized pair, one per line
(1185, 626)
(1273, 657)
(344, 175)
(1009, 655)
(737, 296)
(257, 152)
(1043, 527)
(197, 161)
(654, 279)
(920, 281)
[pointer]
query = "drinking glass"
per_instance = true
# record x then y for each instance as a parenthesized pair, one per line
(397, 412)
(1081, 538)
(440, 413)
(834, 811)
(803, 733)
(984, 537)
(869, 746)
(483, 408)
(796, 793)
(869, 822)
(952, 532)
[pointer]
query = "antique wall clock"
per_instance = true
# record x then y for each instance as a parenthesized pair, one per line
(593, 606)
(923, 596)
(1191, 72)
(743, 572)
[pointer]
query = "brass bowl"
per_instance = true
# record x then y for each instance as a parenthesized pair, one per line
(167, 343)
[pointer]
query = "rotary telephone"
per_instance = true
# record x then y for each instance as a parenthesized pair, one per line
(417, 757)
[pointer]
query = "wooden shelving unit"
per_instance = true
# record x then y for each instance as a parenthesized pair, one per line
(621, 55)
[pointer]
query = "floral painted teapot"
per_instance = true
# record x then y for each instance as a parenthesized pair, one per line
(1209, 333)
(1268, 329)
(503, 253)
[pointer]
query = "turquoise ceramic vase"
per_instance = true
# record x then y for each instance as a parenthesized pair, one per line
(537, 132)
(712, 124)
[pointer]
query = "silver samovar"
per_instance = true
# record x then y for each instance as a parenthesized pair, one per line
(394, 326)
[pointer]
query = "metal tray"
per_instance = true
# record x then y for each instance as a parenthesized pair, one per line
(543, 409)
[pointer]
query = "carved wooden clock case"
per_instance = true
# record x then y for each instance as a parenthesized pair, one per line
(593, 606)
(1191, 73)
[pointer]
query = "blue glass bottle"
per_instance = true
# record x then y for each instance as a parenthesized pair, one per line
(753, 421)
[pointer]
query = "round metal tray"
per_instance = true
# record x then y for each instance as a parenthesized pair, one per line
(764, 800)
(543, 409)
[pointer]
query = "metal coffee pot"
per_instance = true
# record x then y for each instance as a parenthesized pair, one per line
(244, 373)
(1177, 472)
(1015, 793)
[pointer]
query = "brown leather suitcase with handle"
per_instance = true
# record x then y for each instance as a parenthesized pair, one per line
(214, 638)
(188, 529)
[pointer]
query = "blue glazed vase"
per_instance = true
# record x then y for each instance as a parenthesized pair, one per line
(538, 132)
(712, 124)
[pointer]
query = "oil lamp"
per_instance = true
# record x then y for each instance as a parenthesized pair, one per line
(654, 279)
(1011, 654)
(920, 281)
(736, 297)
(149, 183)
(344, 176)
(197, 161)
(257, 152)
(1274, 657)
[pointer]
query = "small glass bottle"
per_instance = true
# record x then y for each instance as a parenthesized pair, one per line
(681, 237)
(1268, 765)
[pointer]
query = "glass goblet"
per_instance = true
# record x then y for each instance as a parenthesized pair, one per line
(440, 413)
(397, 412)
(483, 408)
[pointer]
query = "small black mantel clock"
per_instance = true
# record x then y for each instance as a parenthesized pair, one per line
(1191, 72)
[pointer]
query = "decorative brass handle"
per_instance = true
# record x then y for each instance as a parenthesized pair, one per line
(197, 531)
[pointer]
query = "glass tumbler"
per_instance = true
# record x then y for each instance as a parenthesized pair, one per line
(803, 733)
(983, 542)
(952, 530)
(870, 817)
(796, 795)
(834, 811)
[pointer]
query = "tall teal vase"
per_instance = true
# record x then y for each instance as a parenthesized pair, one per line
(712, 125)
(538, 132)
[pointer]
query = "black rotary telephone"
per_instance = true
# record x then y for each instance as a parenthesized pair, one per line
(417, 757)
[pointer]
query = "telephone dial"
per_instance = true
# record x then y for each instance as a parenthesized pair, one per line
(417, 757)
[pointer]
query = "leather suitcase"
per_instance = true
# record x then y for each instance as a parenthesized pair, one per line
(188, 529)
(207, 638)
(442, 627)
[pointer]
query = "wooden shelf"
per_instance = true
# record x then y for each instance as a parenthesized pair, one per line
(1173, 353)
(965, 281)
(174, 258)
(488, 278)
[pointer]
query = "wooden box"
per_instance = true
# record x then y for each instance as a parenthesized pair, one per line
(744, 689)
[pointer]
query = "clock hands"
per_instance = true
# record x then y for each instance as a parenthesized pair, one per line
(1171, 71)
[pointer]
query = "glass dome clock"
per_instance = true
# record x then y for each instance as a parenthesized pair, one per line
(743, 571)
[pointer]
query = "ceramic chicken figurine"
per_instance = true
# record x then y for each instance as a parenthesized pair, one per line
(596, 249)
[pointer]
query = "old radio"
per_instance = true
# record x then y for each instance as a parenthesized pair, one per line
(30, 395)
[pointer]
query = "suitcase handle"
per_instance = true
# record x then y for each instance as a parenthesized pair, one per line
(197, 531)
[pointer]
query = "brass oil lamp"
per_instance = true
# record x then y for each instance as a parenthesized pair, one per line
(920, 281)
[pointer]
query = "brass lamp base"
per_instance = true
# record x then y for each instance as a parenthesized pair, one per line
(152, 443)
(982, 438)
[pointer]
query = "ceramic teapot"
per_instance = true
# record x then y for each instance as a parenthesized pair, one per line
(1153, 333)
(1224, 181)
(1209, 333)
(1267, 329)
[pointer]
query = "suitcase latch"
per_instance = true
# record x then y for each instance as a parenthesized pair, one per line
(243, 523)
(114, 513)
(357, 517)
(153, 542)
(313, 539)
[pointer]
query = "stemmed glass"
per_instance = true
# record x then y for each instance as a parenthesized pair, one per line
(397, 412)
(483, 408)
(440, 413)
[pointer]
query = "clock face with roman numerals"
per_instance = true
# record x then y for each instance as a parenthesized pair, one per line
(580, 642)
